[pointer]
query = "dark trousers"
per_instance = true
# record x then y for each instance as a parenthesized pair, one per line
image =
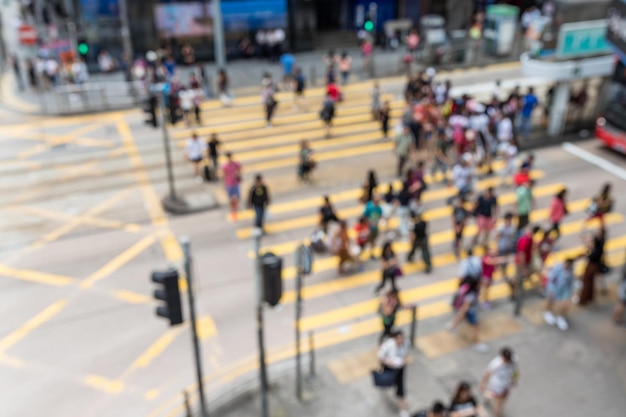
(556, 228)
(522, 221)
(388, 275)
(399, 380)
(386, 331)
(269, 112)
(422, 245)
(401, 163)
(259, 212)
(196, 111)
(587, 293)
(215, 164)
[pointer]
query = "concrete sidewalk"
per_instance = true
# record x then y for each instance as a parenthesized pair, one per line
(574, 373)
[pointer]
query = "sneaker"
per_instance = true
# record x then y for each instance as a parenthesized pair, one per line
(549, 318)
(561, 323)
(481, 347)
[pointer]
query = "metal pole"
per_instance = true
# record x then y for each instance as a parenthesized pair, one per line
(218, 35)
(300, 273)
(187, 407)
(311, 355)
(413, 325)
(186, 244)
(127, 46)
(168, 154)
(256, 234)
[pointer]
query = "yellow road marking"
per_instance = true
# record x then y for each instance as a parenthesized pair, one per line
(91, 221)
(151, 395)
(35, 276)
(313, 220)
(118, 262)
(54, 140)
(206, 328)
(156, 348)
(104, 384)
(359, 280)
(132, 297)
(46, 314)
(11, 361)
(438, 238)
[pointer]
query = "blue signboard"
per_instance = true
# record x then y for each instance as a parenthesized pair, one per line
(250, 15)
(92, 9)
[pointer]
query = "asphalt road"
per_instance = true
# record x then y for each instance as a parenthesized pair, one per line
(83, 228)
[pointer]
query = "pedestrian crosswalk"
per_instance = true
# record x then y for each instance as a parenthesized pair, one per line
(341, 308)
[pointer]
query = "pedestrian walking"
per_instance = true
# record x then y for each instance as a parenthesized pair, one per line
(464, 404)
(388, 308)
(486, 212)
(393, 355)
(288, 62)
(524, 253)
(529, 103)
(459, 220)
(376, 101)
(390, 267)
(306, 163)
(499, 378)
(327, 214)
(231, 172)
(362, 232)
(345, 66)
(559, 290)
(268, 99)
(223, 88)
(404, 203)
(594, 265)
(369, 187)
(194, 150)
(385, 115)
(509, 151)
(489, 263)
(328, 113)
(259, 199)
(340, 246)
(403, 148)
(437, 410)
(419, 239)
(213, 145)
(373, 212)
(558, 210)
(524, 204)
(620, 308)
(441, 159)
(544, 248)
(601, 204)
(462, 178)
(17, 72)
(506, 241)
(300, 85)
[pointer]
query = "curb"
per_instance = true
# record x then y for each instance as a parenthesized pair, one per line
(12, 101)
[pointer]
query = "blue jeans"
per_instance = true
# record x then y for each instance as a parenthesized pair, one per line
(259, 212)
(525, 126)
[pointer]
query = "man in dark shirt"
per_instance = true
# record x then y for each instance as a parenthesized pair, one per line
(259, 200)
(486, 212)
(419, 236)
(437, 410)
(213, 145)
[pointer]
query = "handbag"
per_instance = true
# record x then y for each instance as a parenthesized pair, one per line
(385, 378)
(398, 272)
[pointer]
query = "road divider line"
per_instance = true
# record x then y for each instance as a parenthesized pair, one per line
(34, 323)
(595, 160)
(119, 261)
(35, 276)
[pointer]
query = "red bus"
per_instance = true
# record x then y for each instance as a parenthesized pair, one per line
(611, 125)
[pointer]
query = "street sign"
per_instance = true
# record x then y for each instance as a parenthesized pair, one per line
(583, 39)
(27, 34)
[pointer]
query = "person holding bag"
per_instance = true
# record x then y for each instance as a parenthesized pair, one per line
(393, 356)
(390, 267)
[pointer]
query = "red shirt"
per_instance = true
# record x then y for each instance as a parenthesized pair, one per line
(362, 233)
(524, 249)
(520, 178)
(488, 268)
(333, 92)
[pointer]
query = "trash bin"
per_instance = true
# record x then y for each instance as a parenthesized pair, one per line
(500, 29)
(458, 45)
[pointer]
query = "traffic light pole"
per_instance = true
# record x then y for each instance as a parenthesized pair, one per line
(218, 35)
(256, 234)
(186, 244)
(299, 274)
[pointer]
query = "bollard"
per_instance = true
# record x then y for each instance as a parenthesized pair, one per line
(311, 355)
(187, 407)
(413, 331)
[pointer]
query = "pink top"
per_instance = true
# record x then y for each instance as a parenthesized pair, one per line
(557, 210)
(231, 173)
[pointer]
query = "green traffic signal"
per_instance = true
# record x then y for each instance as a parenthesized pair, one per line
(369, 25)
(83, 48)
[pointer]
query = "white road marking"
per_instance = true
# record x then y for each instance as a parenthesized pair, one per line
(595, 160)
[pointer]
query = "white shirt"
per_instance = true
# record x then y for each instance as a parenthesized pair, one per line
(505, 129)
(186, 99)
(479, 122)
(392, 355)
(194, 149)
(501, 376)
(472, 266)
(279, 34)
(51, 66)
(462, 176)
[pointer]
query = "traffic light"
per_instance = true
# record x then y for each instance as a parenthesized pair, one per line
(368, 25)
(272, 270)
(83, 47)
(168, 292)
